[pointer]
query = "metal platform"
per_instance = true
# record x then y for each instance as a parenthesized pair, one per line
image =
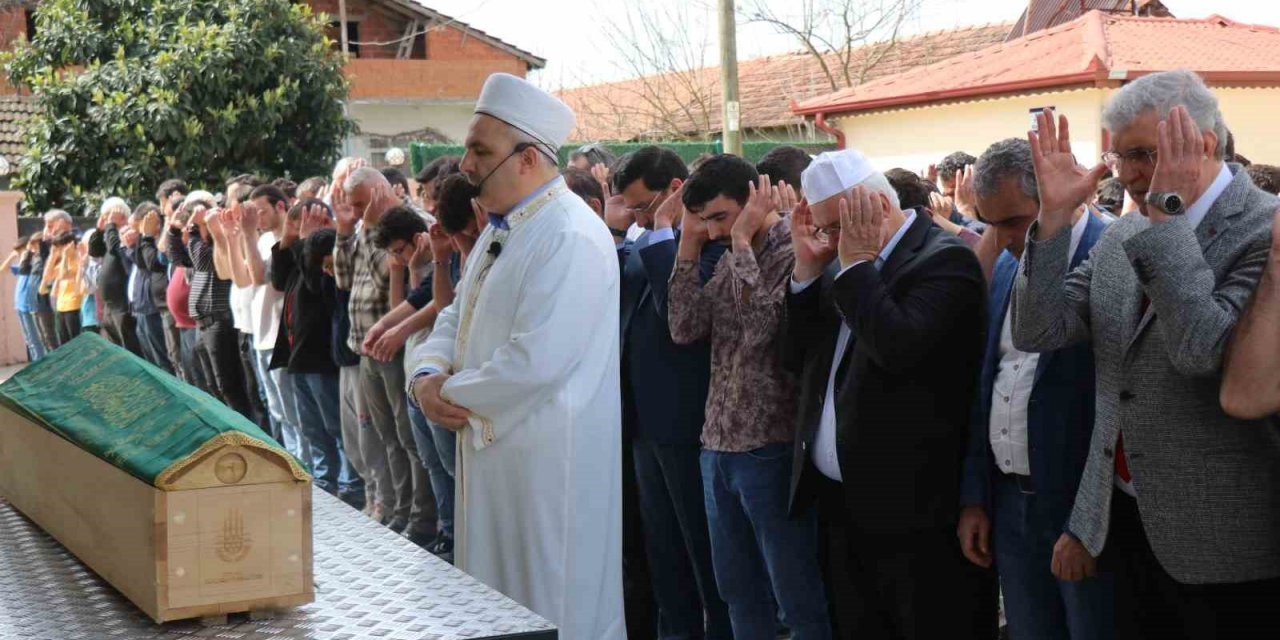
(370, 584)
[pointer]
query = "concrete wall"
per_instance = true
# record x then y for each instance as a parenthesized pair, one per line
(1251, 116)
(12, 347)
(914, 138)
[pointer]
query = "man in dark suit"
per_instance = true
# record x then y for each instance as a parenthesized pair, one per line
(664, 396)
(1031, 427)
(889, 343)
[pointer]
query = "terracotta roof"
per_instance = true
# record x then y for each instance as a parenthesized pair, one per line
(1045, 14)
(13, 110)
(1093, 50)
(688, 103)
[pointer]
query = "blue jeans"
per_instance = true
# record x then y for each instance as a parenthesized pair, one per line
(673, 513)
(31, 333)
(282, 407)
(1037, 605)
(755, 544)
(321, 423)
(435, 447)
(150, 330)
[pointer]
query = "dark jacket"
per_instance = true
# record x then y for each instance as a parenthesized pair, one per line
(113, 276)
(904, 387)
(664, 385)
(303, 343)
(149, 258)
(1059, 416)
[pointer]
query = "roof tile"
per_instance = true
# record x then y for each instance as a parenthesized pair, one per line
(1089, 50)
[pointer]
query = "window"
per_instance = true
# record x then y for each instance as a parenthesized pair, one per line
(31, 23)
(353, 36)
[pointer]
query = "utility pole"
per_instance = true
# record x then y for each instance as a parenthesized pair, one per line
(729, 79)
(342, 26)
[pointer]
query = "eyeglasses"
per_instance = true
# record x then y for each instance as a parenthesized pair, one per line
(635, 210)
(1138, 157)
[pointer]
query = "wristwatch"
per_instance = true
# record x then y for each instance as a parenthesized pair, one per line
(1170, 203)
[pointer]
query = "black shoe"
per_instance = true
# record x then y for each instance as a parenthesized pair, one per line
(355, 499)
(398, 524)
(442, 546)
(422, 537)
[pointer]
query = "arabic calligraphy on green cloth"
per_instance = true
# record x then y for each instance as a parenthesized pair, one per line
(123, 409)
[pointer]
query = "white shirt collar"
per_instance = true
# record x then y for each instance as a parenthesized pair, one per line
(1077, 231)
(1200, 208)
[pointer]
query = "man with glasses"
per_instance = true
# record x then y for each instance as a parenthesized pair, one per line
(664, 396)
(361, 268)
(1177, 499)
(1030, 433)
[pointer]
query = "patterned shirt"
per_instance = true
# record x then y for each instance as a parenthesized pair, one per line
(210, 295)
(361, 268)
(752, 399)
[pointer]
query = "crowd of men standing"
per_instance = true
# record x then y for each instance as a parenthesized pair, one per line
(855, 404)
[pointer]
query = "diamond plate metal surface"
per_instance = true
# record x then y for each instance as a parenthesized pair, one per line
(370, 584)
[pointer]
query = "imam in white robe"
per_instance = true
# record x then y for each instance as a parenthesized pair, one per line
(532, 342)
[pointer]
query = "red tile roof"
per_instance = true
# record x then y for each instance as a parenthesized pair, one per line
(1095, 49)
(687, 104)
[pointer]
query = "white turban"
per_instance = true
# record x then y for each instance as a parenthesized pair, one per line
(833, 173)
(537, 113)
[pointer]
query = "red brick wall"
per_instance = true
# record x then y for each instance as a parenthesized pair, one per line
(428, 79)
(380, 23)
(13, 23)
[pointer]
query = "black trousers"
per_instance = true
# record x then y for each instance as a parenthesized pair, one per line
(68, 325)
(118, 327)
(909, 586)
(640, 609)
(253, 388)
(47, 327)
(219, 342)
(1150, 604)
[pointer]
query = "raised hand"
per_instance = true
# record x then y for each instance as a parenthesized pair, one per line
(601, 173)
(966, 196)
(784, 196)
(482, 214)
(861, 227)
(249, 218)
(1180, 156)
(441, 244)
(421, 251)
(344, 214)
(616, 214)
(931, 174)
(813, 250)
(670, 211)
(693, 235)
(151, 224)
(760, 204)
(1064, 185)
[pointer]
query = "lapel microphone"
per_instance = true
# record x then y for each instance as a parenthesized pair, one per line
(495, 248)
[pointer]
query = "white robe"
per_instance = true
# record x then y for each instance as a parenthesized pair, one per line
(532, 342)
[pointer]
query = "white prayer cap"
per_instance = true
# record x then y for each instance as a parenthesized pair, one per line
(520, 104)
(834, 172)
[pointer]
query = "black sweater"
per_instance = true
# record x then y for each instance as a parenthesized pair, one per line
(306, 323)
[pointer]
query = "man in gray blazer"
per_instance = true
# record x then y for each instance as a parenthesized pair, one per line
(1180, 500)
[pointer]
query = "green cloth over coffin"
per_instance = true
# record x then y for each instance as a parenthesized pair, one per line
(128, 412)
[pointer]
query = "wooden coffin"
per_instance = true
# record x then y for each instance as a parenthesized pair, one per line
(223, 526)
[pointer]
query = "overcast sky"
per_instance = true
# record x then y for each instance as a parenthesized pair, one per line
(570, 34)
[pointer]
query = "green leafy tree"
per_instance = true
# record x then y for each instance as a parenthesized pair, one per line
(132, 92)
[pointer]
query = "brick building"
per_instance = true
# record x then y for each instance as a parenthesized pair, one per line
(415, 73)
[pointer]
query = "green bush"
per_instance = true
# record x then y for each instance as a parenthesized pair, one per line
(131, 92)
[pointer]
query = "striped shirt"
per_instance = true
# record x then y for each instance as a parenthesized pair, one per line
(361, 268)
(210, 295)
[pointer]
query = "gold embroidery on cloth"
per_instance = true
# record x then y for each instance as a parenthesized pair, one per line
(165, 480)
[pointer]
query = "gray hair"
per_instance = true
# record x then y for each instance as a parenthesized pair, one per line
(1009, 158)
(877, 183)
(54, 215)
(1161, 92)
(363, 175)
(113, 204)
